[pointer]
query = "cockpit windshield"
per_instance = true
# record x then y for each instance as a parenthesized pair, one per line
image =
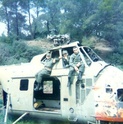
(91, 54)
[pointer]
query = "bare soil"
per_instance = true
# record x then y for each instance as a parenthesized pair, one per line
(40, 43)
(103, 47)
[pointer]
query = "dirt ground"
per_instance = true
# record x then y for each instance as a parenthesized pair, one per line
(40, 43)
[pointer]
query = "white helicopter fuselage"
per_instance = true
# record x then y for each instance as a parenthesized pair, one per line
(98, 99)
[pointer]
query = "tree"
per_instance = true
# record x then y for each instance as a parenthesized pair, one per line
(13, 16)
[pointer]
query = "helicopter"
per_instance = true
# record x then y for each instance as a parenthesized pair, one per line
(98, 99)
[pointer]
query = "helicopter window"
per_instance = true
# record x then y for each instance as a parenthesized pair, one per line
(120, 95)
(69, 50)
(51, 89)
(91, 54)
(55, 54)
(109, 89)
(24, 84)
(48, 87)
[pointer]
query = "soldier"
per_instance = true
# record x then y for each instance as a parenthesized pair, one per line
(65, 59)
(77, 65)
(46, 71)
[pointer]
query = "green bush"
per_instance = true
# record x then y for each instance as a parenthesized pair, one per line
(17, 52)
(117, 54)
(90, 41)
(7, 39)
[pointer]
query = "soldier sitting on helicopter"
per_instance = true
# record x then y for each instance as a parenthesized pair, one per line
(77, 65)
(46, 71)
(65, 59)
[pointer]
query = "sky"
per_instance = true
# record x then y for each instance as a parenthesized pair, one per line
(3, 29)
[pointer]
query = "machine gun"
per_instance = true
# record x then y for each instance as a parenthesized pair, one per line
(59, 39)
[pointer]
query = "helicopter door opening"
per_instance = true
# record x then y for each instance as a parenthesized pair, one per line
(48, 98)
(1, 96)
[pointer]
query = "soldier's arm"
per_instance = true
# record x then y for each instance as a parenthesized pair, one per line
(44, 61)
(71, 62)
(56, 60)
(80, 63)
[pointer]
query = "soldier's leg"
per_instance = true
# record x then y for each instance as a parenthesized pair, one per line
(44, 73)
(81, 71)
(39, 77)
(80, 75)
(71, 70)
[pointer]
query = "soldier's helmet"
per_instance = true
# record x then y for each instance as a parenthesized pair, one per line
(64, 52)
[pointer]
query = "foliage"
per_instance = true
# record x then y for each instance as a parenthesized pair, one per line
(82, 19)
(89, 41)
(4, 52)
(32, 51)
(116, 56)
(17, 52)
(7, 39)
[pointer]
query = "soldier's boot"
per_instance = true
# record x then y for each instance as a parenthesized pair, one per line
(69, 82)
(82, 85)
(40, 87)
(37, 86)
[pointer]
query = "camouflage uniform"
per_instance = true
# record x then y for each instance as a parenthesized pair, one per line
(46, 71)
(65, 59)
(74, 60)
(65, 62)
